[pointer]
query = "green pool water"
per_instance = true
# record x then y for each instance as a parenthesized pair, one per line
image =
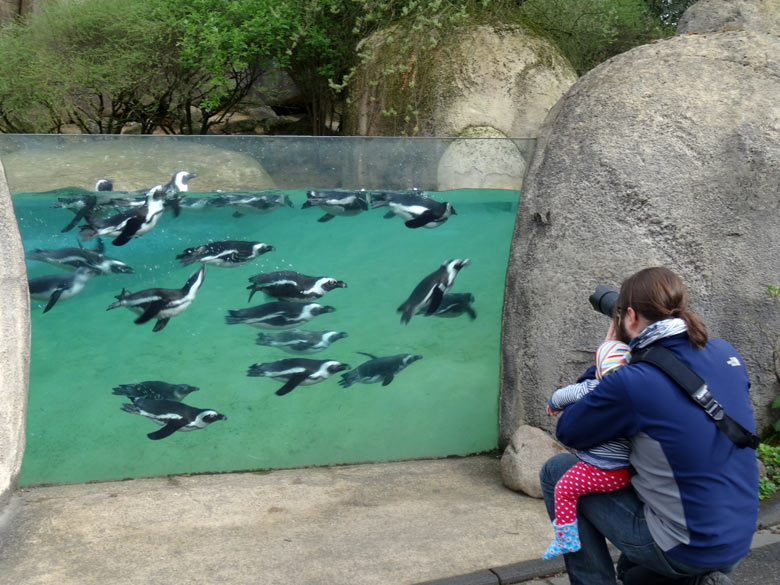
(444, 404)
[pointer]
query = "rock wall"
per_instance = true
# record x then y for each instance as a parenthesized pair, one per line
(668, 154)
(717, 15)
(15, 346)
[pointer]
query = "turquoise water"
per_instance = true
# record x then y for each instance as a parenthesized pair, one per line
(444, 404)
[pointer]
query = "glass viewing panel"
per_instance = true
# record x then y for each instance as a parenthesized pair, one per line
(361, 386)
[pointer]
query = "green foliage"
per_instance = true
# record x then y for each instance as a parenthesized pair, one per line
(769, 482)
(669, 12)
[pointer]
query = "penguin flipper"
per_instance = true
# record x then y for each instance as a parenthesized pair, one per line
(388, 215)
(471, 313)
(326, 217)
(387, 380)
(372, 356)
(53, 299)
(153, 308)
(160, 324)
(436, 296)
(421, 220)
(166, 431)
(72, 223)
(238, 214)
(291, 383)
(132, 226)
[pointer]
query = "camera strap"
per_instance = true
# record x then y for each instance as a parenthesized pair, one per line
(666, 361)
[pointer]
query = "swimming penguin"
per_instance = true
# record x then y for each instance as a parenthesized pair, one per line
(335, 203)
(86, 205)
(413, 206)
(55, 287)
(277, 315)
(297, 372)
(377, 369)
(432, 288)
(128, 224)
(155, 390)
(226, 254)
(257, 203)
(81, 258)
(454, 305)
(160, 303)
(298, 341)
(287, 285)
(173, 416)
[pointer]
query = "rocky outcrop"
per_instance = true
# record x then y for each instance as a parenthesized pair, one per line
(15, 346)
(524, 457)
(480, 76)
(668, 154)
(134, 162)
(716, 15)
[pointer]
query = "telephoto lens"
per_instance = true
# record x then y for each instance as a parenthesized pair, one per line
(604, 299)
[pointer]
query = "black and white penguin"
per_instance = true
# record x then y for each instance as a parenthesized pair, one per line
(59, 287)
(431, 289)
(128, 224)
(81, 258)
(287, 285)
(414, 207)
(160, 303)
(297, 372)
(173, 416)
(335, 203)
(256, 203)
(227, 254)
(155, 390)
(298, 341)
(86, 205)
(378, 369)
(277, 315)
(454, 305)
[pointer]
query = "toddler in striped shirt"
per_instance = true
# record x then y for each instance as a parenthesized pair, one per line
(603, 468)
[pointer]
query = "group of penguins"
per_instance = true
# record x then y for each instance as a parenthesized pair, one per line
(294, 294)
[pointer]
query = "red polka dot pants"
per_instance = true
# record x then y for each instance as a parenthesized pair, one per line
(584, 479)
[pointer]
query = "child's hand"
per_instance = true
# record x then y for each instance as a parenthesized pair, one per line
(552, 412)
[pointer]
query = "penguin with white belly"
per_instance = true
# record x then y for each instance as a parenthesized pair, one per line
(288, 285)
(128, 224)
(81, 258)
(56, 287)
(173, 416)
(378, 369)
(430, 291)
(333, 203)
(154, 389)
(277, 315)
(298, 341)
(417, 209)
(160, 303)
(227, 254)
(297, 372)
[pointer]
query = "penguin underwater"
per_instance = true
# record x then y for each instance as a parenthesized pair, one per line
(377, 369)
(335, 203)
(160, 303)
(81, 258)
(298, 341)
(88, 204)
(131, 223)
(454, 305)
(173, 416)
(55, 287)
(155, 389)
(431, 289)
(297, 372)
(257, 203)
(227, 254)
(414, 207)
(287, 285)
(277, 315)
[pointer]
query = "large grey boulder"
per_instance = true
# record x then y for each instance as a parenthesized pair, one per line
(14, 344)
(504, 78)
(718, 15)
(524, 457)
(668, 154)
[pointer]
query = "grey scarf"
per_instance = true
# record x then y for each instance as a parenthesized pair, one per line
(658, 330)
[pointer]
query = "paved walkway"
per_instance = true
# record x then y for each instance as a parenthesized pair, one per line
(390, 524)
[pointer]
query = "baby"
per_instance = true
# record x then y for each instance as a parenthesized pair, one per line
(603, 468)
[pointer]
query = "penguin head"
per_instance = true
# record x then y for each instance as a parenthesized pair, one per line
(209, 416)
(334, 366)
(331, 283)
(456, 263)
(409, 358)
(119, 267)
(318, 309)
(104, 185)
(336, 335)
(450, 210)
(155, 193)
(181, 178)
(261, 248)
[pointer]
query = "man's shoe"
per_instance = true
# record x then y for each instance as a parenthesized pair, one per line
(715, 578)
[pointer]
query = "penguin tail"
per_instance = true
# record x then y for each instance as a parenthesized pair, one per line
(87, 232)
(232, 318)
(407, 311)
(186, 259)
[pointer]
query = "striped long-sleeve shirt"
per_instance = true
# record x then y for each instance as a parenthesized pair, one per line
(610, 455)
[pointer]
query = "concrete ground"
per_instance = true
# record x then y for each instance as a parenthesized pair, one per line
(446, 521)
(390, 523)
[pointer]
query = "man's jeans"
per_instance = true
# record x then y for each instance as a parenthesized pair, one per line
(618, 516)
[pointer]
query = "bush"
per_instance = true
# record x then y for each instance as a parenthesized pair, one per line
(769, 483)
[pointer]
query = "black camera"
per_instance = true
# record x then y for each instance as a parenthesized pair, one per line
(604, 299)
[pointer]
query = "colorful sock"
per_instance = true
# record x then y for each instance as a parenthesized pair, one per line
(567, 539)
